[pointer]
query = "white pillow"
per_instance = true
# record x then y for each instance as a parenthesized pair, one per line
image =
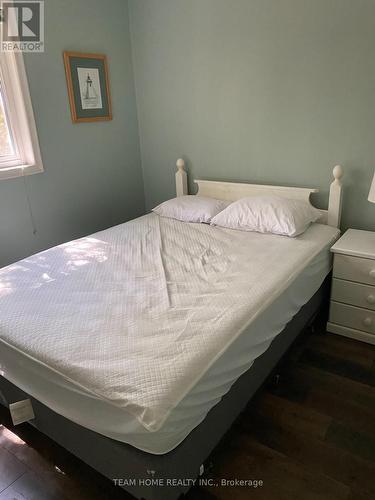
(191, 208)
(268, 214)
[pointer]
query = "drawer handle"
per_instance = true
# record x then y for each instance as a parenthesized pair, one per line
(367, 321)
(372, 273)
(371, 299)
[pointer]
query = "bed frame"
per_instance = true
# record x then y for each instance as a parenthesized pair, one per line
(233, 191)
(141, 472)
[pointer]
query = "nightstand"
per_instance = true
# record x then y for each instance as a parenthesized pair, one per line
(352, 306)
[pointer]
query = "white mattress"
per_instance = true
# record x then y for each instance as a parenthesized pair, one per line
(137, 331)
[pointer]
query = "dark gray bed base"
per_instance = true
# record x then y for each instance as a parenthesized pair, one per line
(119, 460)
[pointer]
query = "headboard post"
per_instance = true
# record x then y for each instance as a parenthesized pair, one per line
(335, 198)
(181, 178)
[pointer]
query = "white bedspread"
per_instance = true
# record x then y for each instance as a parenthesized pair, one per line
(137, 314)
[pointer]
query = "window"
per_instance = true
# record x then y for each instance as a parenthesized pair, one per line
(19, 147)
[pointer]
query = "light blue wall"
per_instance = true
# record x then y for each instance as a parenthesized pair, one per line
(273, 91)
(92, 176)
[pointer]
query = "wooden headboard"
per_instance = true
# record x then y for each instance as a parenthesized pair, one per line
(233, 191)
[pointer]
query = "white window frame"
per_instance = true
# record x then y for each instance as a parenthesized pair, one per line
(20, 119)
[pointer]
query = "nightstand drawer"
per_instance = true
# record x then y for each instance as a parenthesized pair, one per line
(352, 317)
(354, 294)
(354, 269)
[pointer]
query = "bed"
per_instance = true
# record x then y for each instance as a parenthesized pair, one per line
(139, 345)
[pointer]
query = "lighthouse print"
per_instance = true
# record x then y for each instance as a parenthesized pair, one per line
(89, 85)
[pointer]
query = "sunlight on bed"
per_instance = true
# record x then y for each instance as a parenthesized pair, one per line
(5, 288)
(85, 251)
(38, 270)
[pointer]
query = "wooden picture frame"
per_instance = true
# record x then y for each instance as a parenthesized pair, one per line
(88, 86)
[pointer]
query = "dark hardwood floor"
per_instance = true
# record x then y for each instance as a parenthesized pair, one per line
(308, 434)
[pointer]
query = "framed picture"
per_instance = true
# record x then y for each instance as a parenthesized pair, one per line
(88, 86)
